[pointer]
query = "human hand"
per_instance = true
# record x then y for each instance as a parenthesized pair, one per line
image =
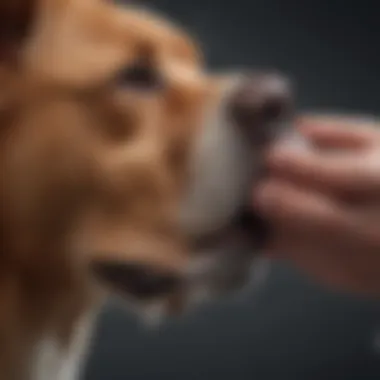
(324, 203)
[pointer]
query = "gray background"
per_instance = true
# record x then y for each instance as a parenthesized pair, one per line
(293, 329)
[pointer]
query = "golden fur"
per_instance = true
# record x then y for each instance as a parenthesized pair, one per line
(93, 166)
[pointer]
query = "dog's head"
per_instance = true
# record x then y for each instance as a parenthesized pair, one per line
(122, 156)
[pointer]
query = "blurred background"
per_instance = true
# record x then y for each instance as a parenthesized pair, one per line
(292, 329)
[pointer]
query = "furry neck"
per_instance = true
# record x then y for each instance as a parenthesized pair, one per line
(39, 297)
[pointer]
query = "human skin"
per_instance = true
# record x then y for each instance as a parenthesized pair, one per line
(324, 203)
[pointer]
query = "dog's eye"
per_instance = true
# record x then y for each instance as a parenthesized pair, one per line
(141, 77)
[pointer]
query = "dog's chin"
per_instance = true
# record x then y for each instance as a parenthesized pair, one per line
(150, 293)
(228, 260)
(223, 263)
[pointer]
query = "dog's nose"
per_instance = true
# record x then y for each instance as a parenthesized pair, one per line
(259, 104)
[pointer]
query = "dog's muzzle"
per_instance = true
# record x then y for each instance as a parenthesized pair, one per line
(255, 112)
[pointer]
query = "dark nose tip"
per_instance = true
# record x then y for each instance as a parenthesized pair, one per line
(259, 104)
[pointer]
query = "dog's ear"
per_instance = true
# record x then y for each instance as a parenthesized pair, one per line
(20, 19)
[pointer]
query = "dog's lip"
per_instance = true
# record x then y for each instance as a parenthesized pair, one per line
(136, 280)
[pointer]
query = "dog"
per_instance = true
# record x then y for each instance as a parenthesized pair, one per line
(126, 168)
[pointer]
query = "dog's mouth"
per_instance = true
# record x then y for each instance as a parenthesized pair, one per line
(245, 234)
(139, 282)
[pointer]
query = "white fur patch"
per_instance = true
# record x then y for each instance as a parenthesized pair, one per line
(49, 358)
(221, 171)
(55, 362)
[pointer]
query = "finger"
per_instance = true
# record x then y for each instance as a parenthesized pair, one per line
(340, 136)
(320, 237)
(343, 172)
(330, 262)
(313, 257)
(350, 127)
(284, 204)
(329, 132)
